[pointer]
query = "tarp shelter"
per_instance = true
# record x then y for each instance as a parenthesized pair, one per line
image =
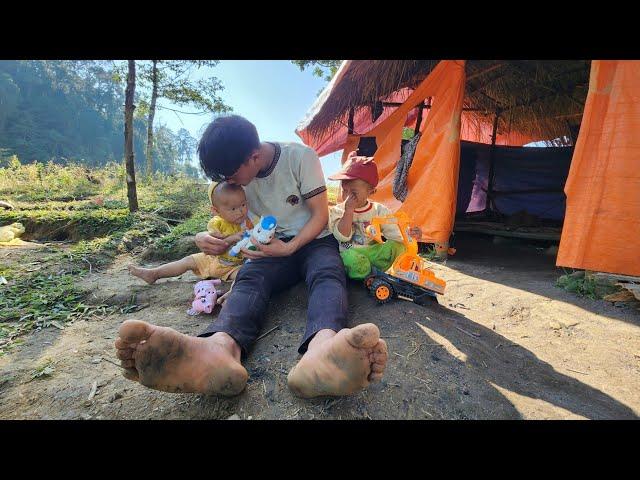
(509, 103)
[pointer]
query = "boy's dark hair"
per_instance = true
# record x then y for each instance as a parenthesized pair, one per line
(226, 144)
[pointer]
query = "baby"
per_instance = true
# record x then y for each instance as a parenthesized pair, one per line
(229, 207)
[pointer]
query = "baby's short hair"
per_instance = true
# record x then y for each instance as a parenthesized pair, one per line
(218, 189)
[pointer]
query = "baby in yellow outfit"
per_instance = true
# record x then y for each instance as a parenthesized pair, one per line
(231, 218)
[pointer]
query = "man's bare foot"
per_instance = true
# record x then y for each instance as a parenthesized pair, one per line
(146, 274)
(341, 363)
(163, 359)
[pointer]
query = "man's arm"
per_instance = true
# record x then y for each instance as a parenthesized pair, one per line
(211, 245)
(319, 207)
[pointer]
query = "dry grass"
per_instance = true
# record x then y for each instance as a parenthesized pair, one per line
(544, 99)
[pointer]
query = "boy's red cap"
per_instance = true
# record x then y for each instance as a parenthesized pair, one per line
(356, 167)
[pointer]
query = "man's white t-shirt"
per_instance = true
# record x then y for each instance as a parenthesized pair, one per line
(282, 191)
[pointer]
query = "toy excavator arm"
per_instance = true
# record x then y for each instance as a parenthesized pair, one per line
(401, 219)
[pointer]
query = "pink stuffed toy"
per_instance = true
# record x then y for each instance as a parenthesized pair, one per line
(206, 296)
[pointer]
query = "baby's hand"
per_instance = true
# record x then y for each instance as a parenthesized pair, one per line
(233, 239)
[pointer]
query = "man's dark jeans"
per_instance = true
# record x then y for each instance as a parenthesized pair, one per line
(318, 263)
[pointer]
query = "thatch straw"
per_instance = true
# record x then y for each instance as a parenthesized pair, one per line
(543, 99)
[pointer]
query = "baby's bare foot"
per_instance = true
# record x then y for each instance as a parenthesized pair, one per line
(145, 274)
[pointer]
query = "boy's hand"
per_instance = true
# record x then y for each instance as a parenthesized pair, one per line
(351, 202)
(416, 232)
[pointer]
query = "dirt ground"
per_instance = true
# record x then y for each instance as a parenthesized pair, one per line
(503, 343)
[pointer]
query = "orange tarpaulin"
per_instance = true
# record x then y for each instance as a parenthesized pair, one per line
(602, 222)
(433, 177)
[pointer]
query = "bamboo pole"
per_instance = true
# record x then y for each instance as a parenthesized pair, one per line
(494, 136)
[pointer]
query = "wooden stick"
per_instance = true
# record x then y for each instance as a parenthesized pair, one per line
(486, 70)
(94, 388)
(295, 413)
(112, 362)
(267, 333)
(583, 373)
(350, 122)
(422, 380)
(90, 266)
(476, 335)
(414, 350)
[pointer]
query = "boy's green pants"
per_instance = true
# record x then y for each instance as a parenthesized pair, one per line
(359, 260)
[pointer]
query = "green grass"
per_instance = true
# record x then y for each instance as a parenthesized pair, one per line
(45, 369)
(90, 206)
(50, 296)
(578, 284)
(68, 224)
(75, 187)
(430, 254)
(197, 223)
(48, 181)
(36, 301)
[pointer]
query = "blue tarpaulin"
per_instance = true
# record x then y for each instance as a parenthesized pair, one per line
(527, 179)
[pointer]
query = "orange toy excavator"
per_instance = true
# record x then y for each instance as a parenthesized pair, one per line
(408, 278)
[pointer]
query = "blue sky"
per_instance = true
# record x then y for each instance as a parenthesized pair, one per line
(273, 94)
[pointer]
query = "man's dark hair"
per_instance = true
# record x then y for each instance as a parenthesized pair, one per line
(226, 144)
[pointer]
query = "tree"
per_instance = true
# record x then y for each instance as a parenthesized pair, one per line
(128, 136)
(152, 112)
(71, 111)
(165, 152)
(9, 94)
(185, 145)
(60, 110)
(321, 68)
(170, 79)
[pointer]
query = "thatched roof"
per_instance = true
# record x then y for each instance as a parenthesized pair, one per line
(543, 99)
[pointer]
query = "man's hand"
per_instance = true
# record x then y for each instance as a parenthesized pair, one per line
(275, 248)
(211, 245)
(223, 298)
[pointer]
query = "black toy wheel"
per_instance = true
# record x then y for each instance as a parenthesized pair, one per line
(368, 281)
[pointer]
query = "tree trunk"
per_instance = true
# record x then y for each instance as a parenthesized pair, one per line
(152, 112)
(128, 137)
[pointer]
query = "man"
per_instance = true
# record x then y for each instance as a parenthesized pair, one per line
(284, 180)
